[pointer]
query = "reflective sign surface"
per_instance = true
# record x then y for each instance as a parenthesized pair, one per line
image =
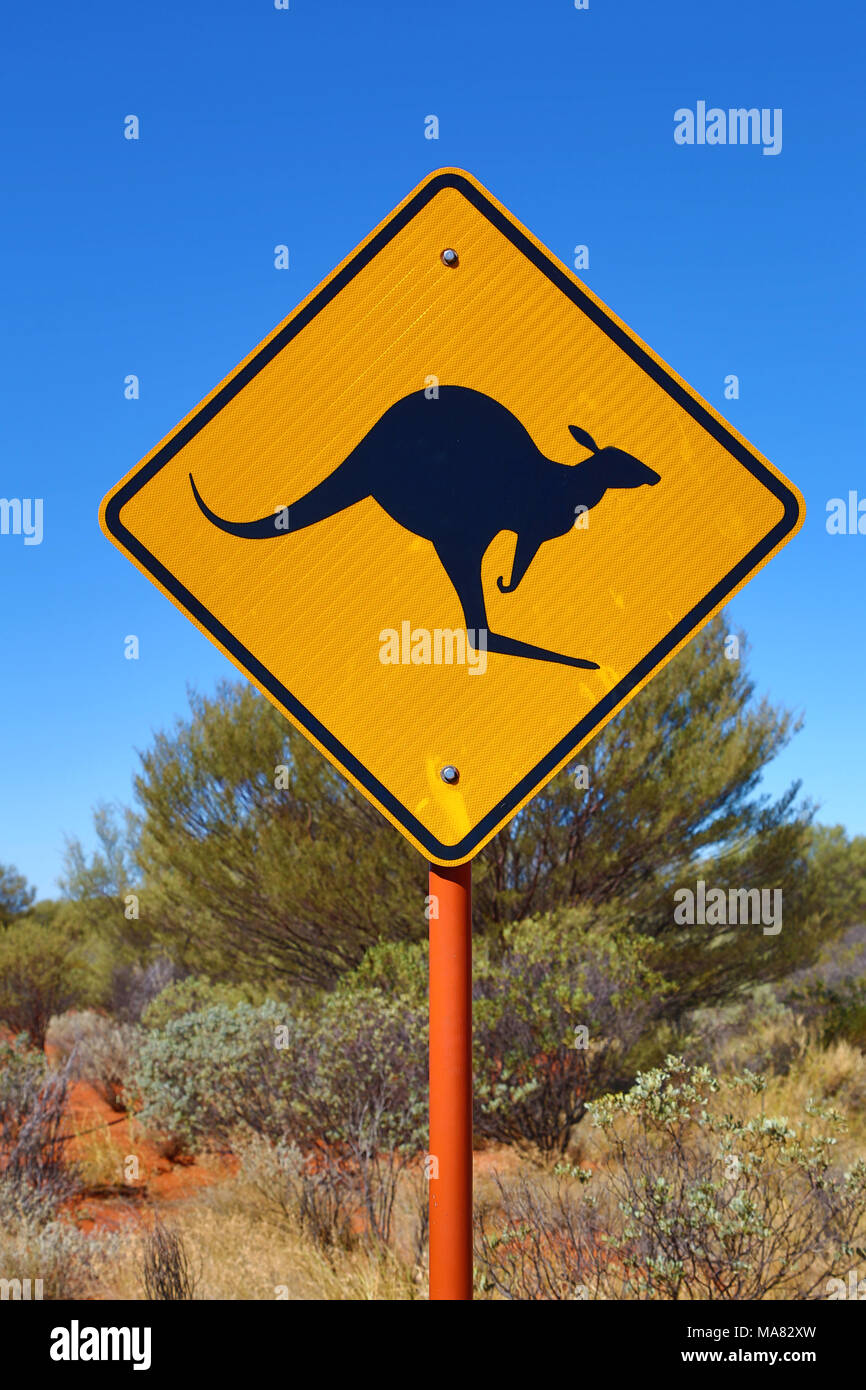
(451, 515)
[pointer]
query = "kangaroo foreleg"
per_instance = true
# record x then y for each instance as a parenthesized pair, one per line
(524, 553)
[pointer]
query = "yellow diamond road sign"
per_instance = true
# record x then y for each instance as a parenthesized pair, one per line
(451, 515)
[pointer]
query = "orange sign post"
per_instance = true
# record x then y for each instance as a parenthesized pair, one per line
(450, 1157)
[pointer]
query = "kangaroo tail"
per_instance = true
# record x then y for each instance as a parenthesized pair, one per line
(251, 530)
(336, 492)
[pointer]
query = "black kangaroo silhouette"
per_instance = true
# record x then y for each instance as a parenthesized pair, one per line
(457, 470)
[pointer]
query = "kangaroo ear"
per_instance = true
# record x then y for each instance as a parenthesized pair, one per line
(583, 438)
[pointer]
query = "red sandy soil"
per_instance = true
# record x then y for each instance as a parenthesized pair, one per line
(161, 1179)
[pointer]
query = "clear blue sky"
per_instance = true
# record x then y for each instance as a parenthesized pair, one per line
(305, 127)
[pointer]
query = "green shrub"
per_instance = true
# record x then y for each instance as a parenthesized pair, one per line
(716, 1199)
(357, 1115)
(398, 968)
(41, 974)
(555, 1017)
(193, 995)
(205, 1073)
(359, 1087)
(838, 1010)
(16, 896)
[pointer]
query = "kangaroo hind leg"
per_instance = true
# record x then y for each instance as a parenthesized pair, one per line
(464, 571)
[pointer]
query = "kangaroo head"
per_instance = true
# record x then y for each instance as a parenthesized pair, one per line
(616, 467)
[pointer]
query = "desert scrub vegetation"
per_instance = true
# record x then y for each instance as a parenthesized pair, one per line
(557, 1011)
(838, 1011)
(238, 1245)
(167, 1273)
(659, 1211)
(272, 1000)
(206, 1073)
(339, 1081)
(36, 1242)
(97, 1049)
(341, 1088)
(41, 974)
(69, 1263)
(559, 1004)
(754, 1030)
(34, 1177)
(699, 1194)
(326, 1206)
(192, 994)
